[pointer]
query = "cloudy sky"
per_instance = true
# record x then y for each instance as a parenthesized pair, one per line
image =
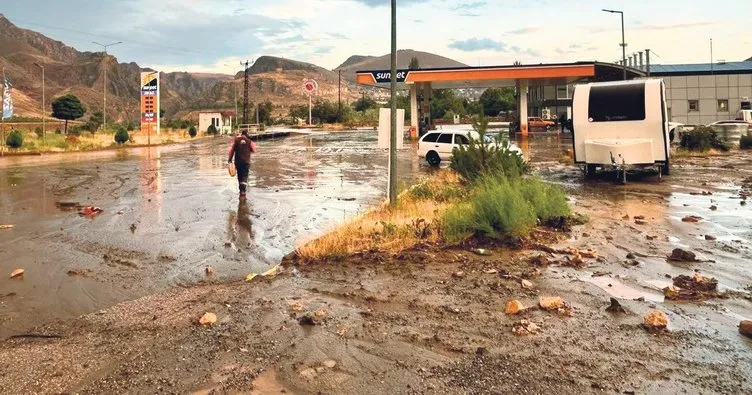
(214, 35)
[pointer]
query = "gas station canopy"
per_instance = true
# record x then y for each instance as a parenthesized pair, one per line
(500, 76)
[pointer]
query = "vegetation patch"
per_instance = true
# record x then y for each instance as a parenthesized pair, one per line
(702, 139)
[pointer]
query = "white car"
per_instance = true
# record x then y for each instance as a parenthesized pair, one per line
(437, 146)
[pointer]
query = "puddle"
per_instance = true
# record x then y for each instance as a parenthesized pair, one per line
(619, 290)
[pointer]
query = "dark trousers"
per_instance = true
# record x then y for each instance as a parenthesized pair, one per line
(242, 169)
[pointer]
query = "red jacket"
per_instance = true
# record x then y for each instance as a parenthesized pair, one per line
(241, 149)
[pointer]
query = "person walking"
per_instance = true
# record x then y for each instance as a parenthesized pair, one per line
(241, 150)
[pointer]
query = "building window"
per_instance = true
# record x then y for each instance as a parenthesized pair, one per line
(694, 105)
(723, 105)
(562, 92)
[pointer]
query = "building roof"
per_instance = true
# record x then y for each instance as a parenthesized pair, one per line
(744, 67)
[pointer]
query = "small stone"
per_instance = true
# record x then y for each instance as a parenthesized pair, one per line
(743, 203)
(481, 251)
(639, 217)
(631, 256)
(551, 303)
(710, 238)
(745, 328)
(640, 222)
(586, 235)
(691, 219)
(228, 244)
(656, 320)
(651, 237)
(459, 274)
(18, 273)
(330, 363)
(308, 374)
(209, 270)
(615, 307)
(714, 207)
(525, 327)
(680, 255)
(514, 307)
(526, 284)
(208, 319)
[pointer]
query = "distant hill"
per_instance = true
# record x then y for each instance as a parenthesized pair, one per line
(749, 60)
(68, 70)
(355, 59)
(426, 60)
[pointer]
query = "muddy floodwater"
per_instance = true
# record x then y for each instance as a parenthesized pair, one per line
(168, 212)
(431, 320)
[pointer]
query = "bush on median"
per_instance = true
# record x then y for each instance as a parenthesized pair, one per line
(702, 139)
(14, 139)
(484, 156)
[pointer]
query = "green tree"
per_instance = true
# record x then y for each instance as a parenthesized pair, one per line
(414, 64)
(299, 111)
(444, 100)
(67, 108)
(14, 139)
(364, 103)
(212, 130)
(95, 121)
(265, 112)
(192, 131)
(121, 134)
(496, 100)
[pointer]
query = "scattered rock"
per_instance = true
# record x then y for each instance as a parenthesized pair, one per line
(120, 212)
(697, 287)
(640, 222)
(586, 235)
(459, 274)
(315, 318)
(6, 226)
(228, 244)
(710, 238)
(642, 217)
(631, 256)
(308, 374)
(526, 284)
(714, 207)
(615, 307)
(296, 307)
(651, 237)
(209, 270)
(208, 319)
(330, 363)
(525, 327)
(743, 203)
(551, 303)
(656, 321)
(18, 273)
(481, 251)
(514, 307)
(691, 219)
(680, 255)
(745, 328)
(133, 228)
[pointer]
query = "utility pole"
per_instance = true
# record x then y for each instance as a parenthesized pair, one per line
(245, 91)
(393, 132)
(623, 43)
(44, 115)
(104, 93)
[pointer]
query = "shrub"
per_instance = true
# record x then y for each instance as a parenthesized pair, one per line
(121, 134)
(14, 139)
(499, 206)
(702, 139)
(38, 131)
(486, 156)
(192, 131)
(449, 115)
(745, 142)
(212, 130)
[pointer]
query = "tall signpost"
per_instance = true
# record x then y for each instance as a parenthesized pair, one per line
(393, 134)
(150, 103)
(7, 111)
(310, 87)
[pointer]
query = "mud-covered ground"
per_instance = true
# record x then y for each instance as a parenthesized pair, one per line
(432, 320)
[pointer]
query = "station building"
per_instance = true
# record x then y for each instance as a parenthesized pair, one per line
(695, 93)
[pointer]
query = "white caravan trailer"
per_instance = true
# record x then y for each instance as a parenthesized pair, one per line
(621, 125)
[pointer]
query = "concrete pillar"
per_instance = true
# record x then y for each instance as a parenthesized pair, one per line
(414, 109)
(427, 92)
(642, 62)
(523, 107)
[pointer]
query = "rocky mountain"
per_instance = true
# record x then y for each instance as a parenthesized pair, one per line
(426, 60)
(82, 74)
(355, 59)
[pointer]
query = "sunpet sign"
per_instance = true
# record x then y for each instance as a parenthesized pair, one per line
(386, 76)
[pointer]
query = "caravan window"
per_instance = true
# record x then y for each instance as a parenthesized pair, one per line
(613, 103)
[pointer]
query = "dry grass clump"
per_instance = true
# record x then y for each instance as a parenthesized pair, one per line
(415, 219)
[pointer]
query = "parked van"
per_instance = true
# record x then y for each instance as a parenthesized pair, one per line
(621, 125)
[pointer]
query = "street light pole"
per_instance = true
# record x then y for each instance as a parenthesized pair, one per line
(393, 132)
(623, 43)
(44, 128)
(104, 93)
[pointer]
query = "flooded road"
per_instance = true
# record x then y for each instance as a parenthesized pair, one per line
(168, 213)
(171, 211)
